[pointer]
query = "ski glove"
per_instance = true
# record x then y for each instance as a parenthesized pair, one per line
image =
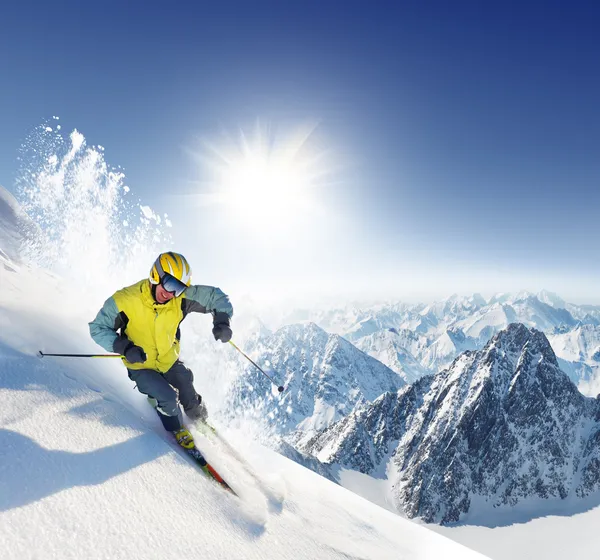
(222, 331)
(133, 354)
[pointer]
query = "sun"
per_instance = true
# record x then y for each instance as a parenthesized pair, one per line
(267, 178)
(258, 186)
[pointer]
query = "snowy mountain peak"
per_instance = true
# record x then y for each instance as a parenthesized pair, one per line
(303, 331)
(523, 294)
(454, 307)
(517, 339)
(325, 376)
(510, 297)
(475, 298)
(552, 299)
(479, 299)
(394, 348)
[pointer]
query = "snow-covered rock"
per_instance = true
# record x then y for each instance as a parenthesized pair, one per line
(579, 352)
(529, 311)
(552, 299)
(455, 307)
(390, 347)
(442, 351)
(501, 426)
(324, 376)
(433, 335)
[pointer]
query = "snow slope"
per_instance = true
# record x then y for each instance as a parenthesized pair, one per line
(84, 476)
(566, 534)
(14, 229)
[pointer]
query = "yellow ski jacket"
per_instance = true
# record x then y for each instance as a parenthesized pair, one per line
(153, 326)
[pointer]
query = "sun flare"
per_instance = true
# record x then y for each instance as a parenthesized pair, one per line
(264, 178)
(260, 187)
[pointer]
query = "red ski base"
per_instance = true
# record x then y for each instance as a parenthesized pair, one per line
(208, 469)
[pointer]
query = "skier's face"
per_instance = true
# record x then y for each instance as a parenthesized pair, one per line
(162, 296)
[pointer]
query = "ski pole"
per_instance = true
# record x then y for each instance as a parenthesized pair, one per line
(280, 388)
(42, 354)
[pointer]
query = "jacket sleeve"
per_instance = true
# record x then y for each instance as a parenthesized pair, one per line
(103, 328)
(206, 299)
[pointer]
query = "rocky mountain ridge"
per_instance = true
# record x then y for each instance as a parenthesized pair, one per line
(500, 426)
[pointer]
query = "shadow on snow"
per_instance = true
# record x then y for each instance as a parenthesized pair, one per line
(29, 472)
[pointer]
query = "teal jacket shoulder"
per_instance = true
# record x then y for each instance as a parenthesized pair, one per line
(103, 328)
(206, 299)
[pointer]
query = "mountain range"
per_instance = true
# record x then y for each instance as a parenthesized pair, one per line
(416, 340)
(500, 426)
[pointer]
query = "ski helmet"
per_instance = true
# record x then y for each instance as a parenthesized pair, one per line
(171, 265)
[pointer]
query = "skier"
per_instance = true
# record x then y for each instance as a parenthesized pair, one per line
(141, 322)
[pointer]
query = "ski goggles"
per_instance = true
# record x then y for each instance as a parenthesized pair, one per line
(172, 285)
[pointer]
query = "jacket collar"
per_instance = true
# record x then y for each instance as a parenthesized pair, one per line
(148, 297)
(146, 293)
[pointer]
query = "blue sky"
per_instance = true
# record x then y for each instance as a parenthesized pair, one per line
(461, 139)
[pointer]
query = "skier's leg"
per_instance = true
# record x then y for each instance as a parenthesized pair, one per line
(152, 383)
(182, 379)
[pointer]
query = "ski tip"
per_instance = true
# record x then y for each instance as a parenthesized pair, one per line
(210, 471)
(208, 468)
(40, 354)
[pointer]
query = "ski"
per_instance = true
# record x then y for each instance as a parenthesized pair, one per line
(199, 459)
(207, 469)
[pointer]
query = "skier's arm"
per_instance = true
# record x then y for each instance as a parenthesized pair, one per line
(103, 328)
(206, 299)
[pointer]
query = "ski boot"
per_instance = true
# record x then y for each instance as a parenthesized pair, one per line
(198, 413)
(184, 438)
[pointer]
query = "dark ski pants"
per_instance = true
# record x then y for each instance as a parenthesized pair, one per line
(169, 389)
